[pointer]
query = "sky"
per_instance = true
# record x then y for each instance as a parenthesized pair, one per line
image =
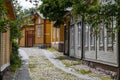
(26, 4)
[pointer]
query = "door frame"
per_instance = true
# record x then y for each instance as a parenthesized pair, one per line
(26, 38)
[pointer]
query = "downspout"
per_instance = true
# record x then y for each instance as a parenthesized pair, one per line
(44, 39)
(64, 38)
(34, 30)
(25, 38)
(82, 43)
(68, 38)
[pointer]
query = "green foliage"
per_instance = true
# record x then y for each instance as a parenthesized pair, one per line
(104, 78)
(17, 7)
(14, 27)
(15, 60)
(55, 10)
(92, 11)
(2, 8)
(3, 20)
(51, 49)
(3, 25)
(82, 71)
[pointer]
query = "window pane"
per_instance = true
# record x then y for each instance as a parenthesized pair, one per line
(39, 31)
(79, 34)
(101, 38)
(92, 39)
(86, 37)
(72, 36)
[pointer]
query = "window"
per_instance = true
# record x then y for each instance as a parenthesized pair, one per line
(111, 35)
(54, 33)
(39, 21)
(39, 31)
(58, 33)
(79, 34)
(92, 39)
(110, 38)
(101, 38)
(86, 36)
(72, 36)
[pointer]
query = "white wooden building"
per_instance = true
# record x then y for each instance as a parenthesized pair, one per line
(85, 43)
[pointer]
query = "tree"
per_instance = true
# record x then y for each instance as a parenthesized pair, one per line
(14, 30)
(3, 19)
(55, 9)
(91, 11)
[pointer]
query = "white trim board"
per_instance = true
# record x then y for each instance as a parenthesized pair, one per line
(4, 66)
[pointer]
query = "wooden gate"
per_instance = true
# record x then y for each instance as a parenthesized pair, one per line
(29, 38)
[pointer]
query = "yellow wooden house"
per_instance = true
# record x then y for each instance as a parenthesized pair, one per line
(57, 37)
(27, 39)
(37, 32)
(42, 31)
(5, 40)
(28, 31)
(46, 35)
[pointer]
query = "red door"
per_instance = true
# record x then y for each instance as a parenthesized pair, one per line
(30, 38)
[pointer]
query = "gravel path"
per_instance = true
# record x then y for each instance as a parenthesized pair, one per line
(42, 69)
(44, 66)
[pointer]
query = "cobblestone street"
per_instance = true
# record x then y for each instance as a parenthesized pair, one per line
(42, 69)
(41, 64)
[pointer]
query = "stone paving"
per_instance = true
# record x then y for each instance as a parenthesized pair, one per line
(51, 65)
(8, 76)
(42, 69)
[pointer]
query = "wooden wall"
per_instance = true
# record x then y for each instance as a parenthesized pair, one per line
(43, 37)
(39, 22)
(5, 50)
(23, 30)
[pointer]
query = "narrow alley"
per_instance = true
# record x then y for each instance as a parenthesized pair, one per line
(41, 64)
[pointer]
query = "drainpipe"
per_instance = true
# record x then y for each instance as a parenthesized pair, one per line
(68, 38)
(118, 77)
(44, 39)
(64, 37)
(82, 43)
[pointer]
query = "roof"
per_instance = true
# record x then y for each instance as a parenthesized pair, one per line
(41, 15)
(10, 8)
(33, 13)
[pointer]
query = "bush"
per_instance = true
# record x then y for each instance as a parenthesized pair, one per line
(15, 60)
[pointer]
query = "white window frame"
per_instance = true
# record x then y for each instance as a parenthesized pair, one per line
(79, 34)
(86, 36)
(101, 37)
(39, 32)
(72, 36)
(92, 39)
(39, 21)
(54, 33)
